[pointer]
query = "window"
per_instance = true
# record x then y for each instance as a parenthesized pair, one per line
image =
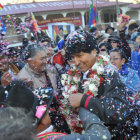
(110, 17)
(106, 17)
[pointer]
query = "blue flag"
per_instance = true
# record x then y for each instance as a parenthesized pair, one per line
(2, 27)
(92, 15)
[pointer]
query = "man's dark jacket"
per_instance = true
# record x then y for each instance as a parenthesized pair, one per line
(111, 105)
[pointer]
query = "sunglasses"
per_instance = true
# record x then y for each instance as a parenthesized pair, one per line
(103, 50)
(113, 42)
(114, 59)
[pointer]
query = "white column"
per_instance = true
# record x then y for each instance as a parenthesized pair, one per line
(111, 24)
(83, 19)
(139, 15)
(64, 14)
(44, 16)
(22, 19)
(99, 16)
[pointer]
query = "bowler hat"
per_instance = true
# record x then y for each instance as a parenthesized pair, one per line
(113, 38)
(108, 27)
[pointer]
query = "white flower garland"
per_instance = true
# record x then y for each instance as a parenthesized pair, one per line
(91, 84)
(70, 82)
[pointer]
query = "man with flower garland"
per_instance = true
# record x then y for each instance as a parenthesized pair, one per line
(100, 89)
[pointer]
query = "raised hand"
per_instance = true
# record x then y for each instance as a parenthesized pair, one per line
(6, 79)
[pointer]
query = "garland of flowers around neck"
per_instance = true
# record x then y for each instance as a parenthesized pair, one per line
(94, 79)
(70, 82)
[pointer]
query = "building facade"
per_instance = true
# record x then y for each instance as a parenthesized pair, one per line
(72, 8)
(73, 11)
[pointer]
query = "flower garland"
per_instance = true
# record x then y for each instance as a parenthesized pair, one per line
(123, 18)
(90, 86)
(71, 80)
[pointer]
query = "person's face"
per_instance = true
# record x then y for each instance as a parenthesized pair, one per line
(43, 43)
(49, 49)
(4, 63)
(132, 46)
(98, 34)
(138, 40)
(63, 52)
(116, 60)
(84, 61)
(132, 31)
(103, 50)
(110, 31)
(38, 62)
(114, 44)
(61, 32)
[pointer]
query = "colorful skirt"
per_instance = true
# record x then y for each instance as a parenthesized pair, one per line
(50, 136)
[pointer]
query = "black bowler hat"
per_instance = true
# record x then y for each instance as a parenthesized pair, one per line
(108, 27)
(114, 38)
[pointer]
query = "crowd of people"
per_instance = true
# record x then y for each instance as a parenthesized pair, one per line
(85, 87)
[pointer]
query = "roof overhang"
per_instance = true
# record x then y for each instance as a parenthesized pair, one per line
(54, 6)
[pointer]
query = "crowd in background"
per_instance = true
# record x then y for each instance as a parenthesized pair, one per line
(39, 61)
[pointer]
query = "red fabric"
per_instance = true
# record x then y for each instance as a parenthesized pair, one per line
(1, 7)
(58, 59)
(101, 80)
(56, 29)
(87, 101)
(89, 93)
